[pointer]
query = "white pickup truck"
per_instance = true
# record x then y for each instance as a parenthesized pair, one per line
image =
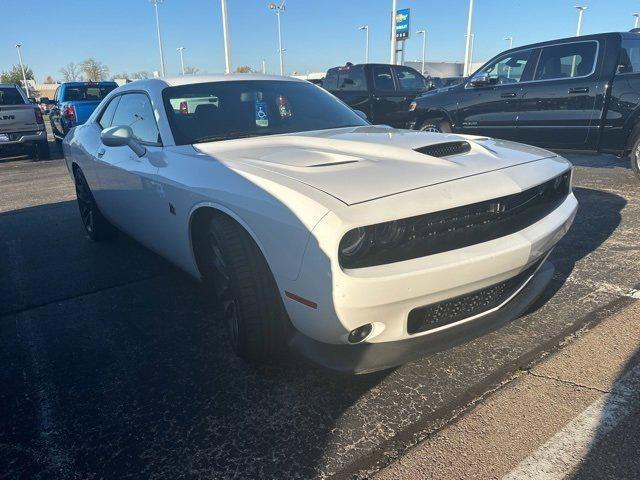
(21, 122)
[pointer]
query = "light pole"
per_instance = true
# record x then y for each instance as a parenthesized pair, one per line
(510, 40)
(366, 45)
(580, 15)
(394, 9)
(24, 76)
(467, 49)
(264, 66)
(155, 4)
(424, 47)
(227, 40)
(279, 9)
(636, 16)
(473, 38)
(181, 53)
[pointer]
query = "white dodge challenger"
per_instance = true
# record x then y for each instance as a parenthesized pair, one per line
(360, 246)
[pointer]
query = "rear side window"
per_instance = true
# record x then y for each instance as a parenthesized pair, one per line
(107, 113)
(629, 57)
(566, 61)
(134, 110)
(382, 78)
(409, 79)
(10, 96)
(352, 78)
(86, 92)
(330, 82)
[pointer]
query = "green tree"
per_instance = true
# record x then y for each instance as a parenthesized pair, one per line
(15, 75)
(93, 70)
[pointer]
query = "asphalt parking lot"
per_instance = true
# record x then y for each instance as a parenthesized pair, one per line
(116, 365)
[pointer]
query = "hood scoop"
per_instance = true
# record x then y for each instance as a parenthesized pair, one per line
(447, 149)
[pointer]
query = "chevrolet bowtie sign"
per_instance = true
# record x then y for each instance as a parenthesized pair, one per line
(402, 24)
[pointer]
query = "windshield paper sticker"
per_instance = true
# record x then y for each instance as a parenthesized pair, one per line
(262, 114)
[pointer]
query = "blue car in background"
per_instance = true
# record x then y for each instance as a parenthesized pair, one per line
(73, 104)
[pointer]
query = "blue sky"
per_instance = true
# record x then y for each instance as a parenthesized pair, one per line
(317, 34)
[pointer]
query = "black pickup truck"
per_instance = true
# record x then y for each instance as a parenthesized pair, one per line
(578, 93)
(383, 92)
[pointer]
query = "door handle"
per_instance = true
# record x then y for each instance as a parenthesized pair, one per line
(100, 153)
(509, 95)
(579, 90)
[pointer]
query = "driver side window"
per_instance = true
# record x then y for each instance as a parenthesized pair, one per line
(508, 69)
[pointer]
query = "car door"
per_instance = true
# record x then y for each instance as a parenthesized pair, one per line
(491, 108)
(129, 189)
(558, 107)
(410, 84)
(387, 101)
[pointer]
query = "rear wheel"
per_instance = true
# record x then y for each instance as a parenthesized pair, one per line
(95, 225)
(634, 156)
(435, 125)
(234, 266)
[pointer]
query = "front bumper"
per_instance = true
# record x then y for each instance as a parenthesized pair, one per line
(371, 357)
(18, 138)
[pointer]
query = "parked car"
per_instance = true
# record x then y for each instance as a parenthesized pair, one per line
(74, 102)
(21, 122)
(573, 93)
(383, 92)
(360, 246)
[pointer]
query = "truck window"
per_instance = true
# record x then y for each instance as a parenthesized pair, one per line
(352, 78)
(409, 79)
(86, 92)
(569, 60)
(629, 57)
(382, 78)
(508, 69)
(10, 96)
(330, 81)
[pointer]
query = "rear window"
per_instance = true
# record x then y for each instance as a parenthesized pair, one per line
(331, 80)
(10, 96)
(629, 57)
(86, 92)
(382, 78)
(352, 78)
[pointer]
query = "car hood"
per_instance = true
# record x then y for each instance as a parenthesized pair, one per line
(358, 164)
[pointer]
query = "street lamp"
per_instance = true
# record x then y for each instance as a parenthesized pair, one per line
(424, 46)
(636, 16)
(394, 10)
(225, 34)
(366, 47)
(24, 76)
(155, 4)
(467, 50)
(181, 53)
(279, 9)
(510, 40)
(580, 15)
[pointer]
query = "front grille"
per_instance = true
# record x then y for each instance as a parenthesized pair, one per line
(445, 149)
(450, 311)
(461, 227)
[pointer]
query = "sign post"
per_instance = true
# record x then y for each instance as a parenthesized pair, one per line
(402, 29)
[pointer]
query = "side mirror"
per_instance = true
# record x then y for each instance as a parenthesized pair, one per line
(361, 114)
(624, 69)
(480, 79)
(122, 136)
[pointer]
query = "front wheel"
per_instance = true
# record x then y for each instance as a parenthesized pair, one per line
(435, 125)
(95, 225)
(634, 156)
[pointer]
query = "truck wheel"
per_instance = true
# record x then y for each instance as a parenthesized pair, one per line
(233, 265)
(41, 150)
(435, 125)
(95, 225)
(634, 156)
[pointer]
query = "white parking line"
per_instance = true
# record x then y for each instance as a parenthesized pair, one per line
(560, 456)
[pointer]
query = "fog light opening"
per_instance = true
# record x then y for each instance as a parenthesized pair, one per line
(357, 335)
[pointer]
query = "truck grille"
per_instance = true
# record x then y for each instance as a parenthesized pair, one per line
(450, 311)
(445, 149)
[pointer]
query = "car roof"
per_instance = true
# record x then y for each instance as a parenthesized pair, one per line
(221, 77)
(581, 38)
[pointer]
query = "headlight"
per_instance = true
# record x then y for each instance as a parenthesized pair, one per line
(413, 106)
(355, 243)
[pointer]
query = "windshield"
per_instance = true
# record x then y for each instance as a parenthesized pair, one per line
(206, 112)
(86, 92)
(10, 96)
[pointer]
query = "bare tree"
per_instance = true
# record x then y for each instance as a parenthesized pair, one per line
(93, 70)
(124, 75)
(70, 72)
(140, 75)
(191, 70)
(49, 79)
(244, 69)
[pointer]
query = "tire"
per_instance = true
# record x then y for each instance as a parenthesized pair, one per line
(42, 150)
(634, 156)
(95, 225)
(233, 265)
(435, 125)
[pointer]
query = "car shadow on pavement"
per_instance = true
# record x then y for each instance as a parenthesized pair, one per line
(592, 226)
(613, 452)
